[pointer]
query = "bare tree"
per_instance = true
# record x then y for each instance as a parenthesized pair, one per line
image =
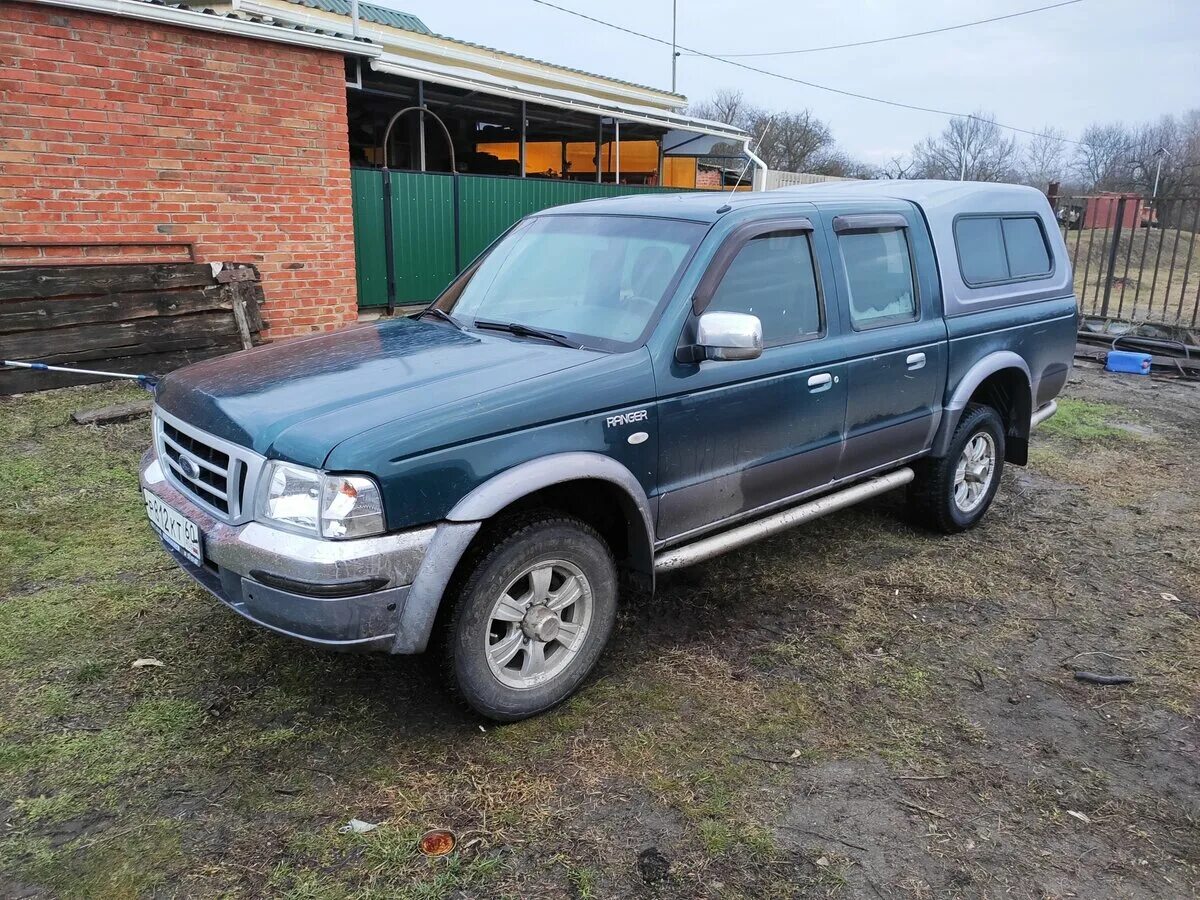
(898, 168)
(788, 141)
(726, 105)
(835, 162)
(972, 147)
(1166, 153)
(1103, 160)
(1044, 158)
(793, 142)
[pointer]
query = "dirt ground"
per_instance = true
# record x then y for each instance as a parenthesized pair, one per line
(854, 709)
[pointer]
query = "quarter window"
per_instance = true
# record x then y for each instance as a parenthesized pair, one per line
(1026, 248)
(772, 277)
(879, 274)
(981, 250)
(994, 249)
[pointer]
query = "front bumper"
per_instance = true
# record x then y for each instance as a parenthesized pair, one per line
(371, 621)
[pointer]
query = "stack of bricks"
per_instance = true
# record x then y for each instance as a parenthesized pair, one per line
(173, 143)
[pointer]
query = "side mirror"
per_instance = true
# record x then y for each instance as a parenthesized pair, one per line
(725, 336)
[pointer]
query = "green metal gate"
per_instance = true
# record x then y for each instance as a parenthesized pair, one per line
(436, 227)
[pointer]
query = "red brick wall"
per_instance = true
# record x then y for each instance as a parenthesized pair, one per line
(120, 130)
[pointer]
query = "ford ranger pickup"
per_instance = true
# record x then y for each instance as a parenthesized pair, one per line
(613, 390)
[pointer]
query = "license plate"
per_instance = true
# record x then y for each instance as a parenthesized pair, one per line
(175, 528)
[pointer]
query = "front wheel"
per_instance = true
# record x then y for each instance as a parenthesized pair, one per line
(531, 617)
(951, 493)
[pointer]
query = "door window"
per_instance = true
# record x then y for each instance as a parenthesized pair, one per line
(880, 277)
(773, 277)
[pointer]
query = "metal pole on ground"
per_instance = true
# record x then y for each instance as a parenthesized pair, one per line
(617, 143)
(1112, 256)
(674, 52)
(524, 115)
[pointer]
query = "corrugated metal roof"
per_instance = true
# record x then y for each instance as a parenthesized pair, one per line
(259, 20)
(412, 23)
(368, 12)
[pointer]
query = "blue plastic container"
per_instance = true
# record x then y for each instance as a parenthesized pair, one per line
(1128, 361)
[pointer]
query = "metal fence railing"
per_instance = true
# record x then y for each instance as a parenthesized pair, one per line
(1135, 259)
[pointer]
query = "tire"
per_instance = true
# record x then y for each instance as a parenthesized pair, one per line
(508, 668)
(937, 498)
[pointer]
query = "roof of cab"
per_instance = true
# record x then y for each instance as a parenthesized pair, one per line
(696, 206)
(708, 206)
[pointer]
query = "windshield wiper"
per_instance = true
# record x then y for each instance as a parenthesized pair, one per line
(528, 331)
(441, 314)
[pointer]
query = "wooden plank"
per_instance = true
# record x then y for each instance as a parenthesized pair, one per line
(109, 415)
(236, 273)
(117, 339)
(31, 282)
(135, 318)
(19, 381)
(41, 314)
(252, 294)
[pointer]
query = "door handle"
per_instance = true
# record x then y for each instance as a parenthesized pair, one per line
(915, 361)
(818, 383)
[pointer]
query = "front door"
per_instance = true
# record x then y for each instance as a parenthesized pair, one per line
(890, 303)
(737, 436)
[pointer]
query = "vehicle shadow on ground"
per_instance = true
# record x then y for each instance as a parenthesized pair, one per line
(692, 608)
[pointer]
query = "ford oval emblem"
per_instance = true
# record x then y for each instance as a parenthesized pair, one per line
(189, 468)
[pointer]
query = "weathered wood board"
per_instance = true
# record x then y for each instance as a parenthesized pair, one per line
(145, 318)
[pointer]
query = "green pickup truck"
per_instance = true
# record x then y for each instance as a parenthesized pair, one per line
(614, 389)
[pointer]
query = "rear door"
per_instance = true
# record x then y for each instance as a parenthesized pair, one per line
(736, 436)
(890, 303)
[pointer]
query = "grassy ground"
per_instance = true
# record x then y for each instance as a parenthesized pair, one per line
(856, 709)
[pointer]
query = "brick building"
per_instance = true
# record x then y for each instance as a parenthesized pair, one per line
(123, 138)
(132, 129)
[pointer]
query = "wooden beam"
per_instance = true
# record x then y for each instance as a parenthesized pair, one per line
(109, 415)
(34, 282)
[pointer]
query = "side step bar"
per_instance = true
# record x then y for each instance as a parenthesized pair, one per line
(708, 547)
(1043, 414)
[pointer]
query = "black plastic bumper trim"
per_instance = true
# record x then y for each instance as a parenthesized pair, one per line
(323, 590)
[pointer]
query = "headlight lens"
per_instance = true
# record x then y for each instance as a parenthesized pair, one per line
(350, 507)
(331, 506)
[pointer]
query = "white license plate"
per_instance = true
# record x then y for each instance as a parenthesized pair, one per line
(176, 529)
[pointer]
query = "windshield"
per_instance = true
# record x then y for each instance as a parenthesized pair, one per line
(595, 279)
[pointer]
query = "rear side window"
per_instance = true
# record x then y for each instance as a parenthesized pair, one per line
(994, 249)
(981, 250)
(880, 277)
(1026, 246)
(772, 277)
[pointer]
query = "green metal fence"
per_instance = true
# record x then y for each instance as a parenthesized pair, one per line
(436, 227)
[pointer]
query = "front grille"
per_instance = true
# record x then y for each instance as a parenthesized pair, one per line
(211, 471)
(187, 454)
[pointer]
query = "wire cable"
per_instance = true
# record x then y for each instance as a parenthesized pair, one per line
(812, 84)
(901, 37)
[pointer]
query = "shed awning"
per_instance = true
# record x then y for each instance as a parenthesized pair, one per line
(688, 135)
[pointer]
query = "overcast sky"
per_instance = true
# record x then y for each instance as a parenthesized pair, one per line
(1096, 60)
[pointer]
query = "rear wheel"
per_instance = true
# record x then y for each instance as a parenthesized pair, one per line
(952, 493)
(531, 617)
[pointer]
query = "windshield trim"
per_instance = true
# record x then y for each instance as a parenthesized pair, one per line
(450, 295)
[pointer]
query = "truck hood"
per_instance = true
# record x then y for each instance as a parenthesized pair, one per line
(298, 400)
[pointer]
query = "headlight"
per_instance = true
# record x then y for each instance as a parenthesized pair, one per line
(331, 506)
